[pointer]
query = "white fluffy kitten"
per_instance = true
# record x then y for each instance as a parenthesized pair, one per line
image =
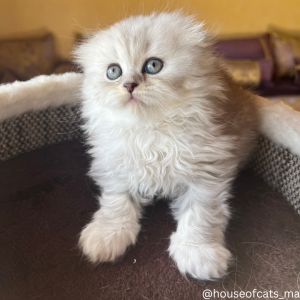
(163, 120)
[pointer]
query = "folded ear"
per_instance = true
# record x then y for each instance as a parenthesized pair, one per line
(190, 28)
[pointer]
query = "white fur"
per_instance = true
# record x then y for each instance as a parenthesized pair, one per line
(197, 246)
(38, 93)
(164, 144)
(280, 123)
(114, 227)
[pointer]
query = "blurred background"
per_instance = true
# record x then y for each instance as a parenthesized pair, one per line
(258, 40)
(66, 18)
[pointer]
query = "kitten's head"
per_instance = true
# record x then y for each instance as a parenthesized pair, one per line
(144, 65)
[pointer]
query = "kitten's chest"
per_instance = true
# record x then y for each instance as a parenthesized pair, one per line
(153, 160)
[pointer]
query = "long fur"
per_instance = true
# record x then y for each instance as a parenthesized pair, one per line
(38, 93)
(184, 137)
(280, 123)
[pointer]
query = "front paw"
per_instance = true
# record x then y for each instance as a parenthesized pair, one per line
(201, 261)
(105, 240)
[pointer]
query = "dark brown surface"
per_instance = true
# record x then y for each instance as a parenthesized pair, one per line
(284, 86)
(46, 198)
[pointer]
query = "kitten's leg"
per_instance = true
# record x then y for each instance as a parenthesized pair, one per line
(114, 227)
(197, 246)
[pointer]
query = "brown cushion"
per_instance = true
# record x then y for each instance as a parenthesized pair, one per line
(254, 48)
(283, 86)
(245, 50)
(7, 77)
(28, 57)
(65, 66)
(245, 72)
(297, 75)
(286, 49)
(250, 73)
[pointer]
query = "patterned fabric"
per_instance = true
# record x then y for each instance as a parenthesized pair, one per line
(36, 129)
(277, 166)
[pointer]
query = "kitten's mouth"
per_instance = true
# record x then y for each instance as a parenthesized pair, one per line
(132, 99)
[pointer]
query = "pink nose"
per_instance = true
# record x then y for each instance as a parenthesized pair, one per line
(130, 86)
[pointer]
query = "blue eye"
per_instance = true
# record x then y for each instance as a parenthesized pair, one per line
(153, 66)
(114, 72)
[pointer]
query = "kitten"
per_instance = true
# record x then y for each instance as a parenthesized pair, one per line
(163, 120)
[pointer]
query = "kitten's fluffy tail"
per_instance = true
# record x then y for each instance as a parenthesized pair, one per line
(280, 123)
(38, 93)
